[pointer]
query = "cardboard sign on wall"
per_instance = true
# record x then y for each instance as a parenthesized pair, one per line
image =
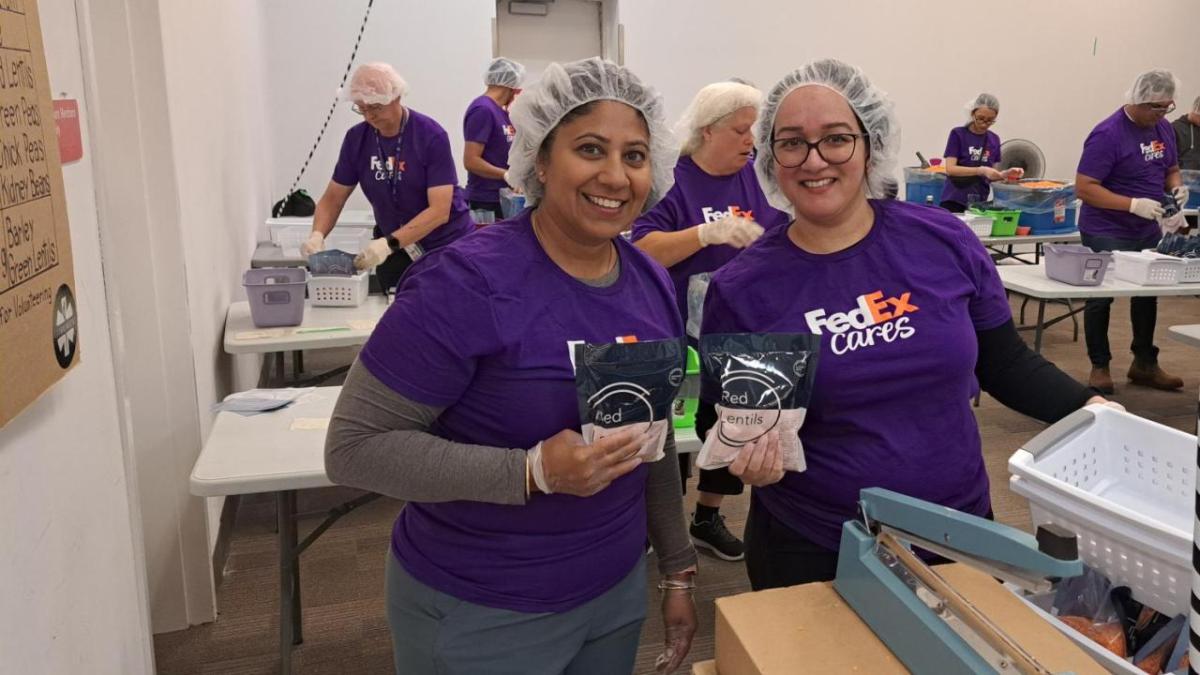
(39, 337)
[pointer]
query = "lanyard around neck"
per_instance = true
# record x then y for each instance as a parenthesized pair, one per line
(393, 171)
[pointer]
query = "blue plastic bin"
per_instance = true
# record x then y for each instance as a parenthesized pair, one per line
(1191, 179)
(920, 185)
(1043, 211)
(276, 295)
(511, 203)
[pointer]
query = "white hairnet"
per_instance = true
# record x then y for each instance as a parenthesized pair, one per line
(982, 101)
(869, 103)
(376, 84)
(711, 104)
(503, 72)
(564, 87)
(1153, 86)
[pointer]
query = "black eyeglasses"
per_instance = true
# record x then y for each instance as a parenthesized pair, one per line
(793, 151)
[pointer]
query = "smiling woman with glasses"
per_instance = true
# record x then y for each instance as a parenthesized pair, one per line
(402, 161)
(910, 314)
(972, 155)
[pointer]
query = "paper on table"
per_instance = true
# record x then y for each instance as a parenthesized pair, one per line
(363, 324)
(255, 401)
(310, 424)
(259, 334)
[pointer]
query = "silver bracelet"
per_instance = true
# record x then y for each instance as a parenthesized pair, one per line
(676, 585)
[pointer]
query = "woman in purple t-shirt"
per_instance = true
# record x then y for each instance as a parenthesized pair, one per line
(402, 161)
(909, 310)
(520, 548)
(714, 210)
(972, 155)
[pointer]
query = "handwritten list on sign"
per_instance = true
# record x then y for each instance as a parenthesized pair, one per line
(38, 318)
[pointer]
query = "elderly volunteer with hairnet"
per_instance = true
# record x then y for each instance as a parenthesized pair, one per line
(402, 160)
(909, 311)
(489, 132)
(714, 210)
(1129, 161)
(972, 155)
(520, 546)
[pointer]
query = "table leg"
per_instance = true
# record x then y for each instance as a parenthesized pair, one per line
(297, 623)
(279, 366)
(298, 359)
(1037, 253)
(1037, 331)
(288, 577)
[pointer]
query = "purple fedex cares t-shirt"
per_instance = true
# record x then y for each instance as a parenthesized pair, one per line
(482, 329)
(897, 314)
(1131, 161)
(425, 162)
(488, 124)
(971, 149)
(698, 197)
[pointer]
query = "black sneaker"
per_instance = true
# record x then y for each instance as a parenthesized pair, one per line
(714, 536)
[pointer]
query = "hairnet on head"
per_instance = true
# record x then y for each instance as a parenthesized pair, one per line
(503, 72)
(982, 101)
(376, 84)
(711, 104)
(869, 103)
(564, 87)
(1153, 86)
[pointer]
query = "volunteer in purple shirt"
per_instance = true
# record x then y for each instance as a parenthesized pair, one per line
(714, 210)
(972, 155)
(909, 310)
(402, 160)
(1129, 162)
(520, 549)
(489, 133)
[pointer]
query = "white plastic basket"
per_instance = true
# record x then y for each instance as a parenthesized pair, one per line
(1126, 487)
(1191, 271)
(1147, 268)
(348, 239)
(337, 291)
(980, 225)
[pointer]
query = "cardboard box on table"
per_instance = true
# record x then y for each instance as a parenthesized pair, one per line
(810, 629)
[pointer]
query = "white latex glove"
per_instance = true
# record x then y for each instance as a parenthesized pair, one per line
(376, 252)
(991, 174)
(1100, 400)
(733, 230)
(314, 244)
(1145, 208)
(1181, 195)
(1015, 173)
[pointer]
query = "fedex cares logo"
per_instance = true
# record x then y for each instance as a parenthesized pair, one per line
(873, 319)
(510, 132)
(1153, 150)
(712, 215)
(383, 168)
(981, 154)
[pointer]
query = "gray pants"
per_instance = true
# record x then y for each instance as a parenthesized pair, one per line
(436, 633)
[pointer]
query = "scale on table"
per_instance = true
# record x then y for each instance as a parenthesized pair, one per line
(921, 618)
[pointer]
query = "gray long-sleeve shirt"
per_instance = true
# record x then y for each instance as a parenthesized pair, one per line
(379, 440)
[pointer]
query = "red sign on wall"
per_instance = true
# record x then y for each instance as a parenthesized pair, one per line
(66, 119)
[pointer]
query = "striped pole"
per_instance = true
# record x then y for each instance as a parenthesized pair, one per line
(1194, 615)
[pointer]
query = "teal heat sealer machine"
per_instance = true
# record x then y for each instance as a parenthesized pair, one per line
(928, 625)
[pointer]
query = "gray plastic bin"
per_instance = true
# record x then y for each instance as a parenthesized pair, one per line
(1076, 265)
(276, 295)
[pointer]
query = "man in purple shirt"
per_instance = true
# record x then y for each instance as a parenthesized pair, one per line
(489, 133)
(1129, 161)
(402, 161)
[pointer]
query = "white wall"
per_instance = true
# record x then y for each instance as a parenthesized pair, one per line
(223, 160)
(74, 593)
(931, 56)
(570, 31)
(441, 49)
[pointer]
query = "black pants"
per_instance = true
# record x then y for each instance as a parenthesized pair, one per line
(1143, 312)
(954, 207)
(715, 481)
(494, 207)
(778, 556)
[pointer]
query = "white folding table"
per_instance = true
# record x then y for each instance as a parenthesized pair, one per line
(1002, 247)
(284, 452)
(1189, 334)
(1031, 281)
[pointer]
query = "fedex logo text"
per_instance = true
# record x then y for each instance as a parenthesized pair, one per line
(874, 319)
